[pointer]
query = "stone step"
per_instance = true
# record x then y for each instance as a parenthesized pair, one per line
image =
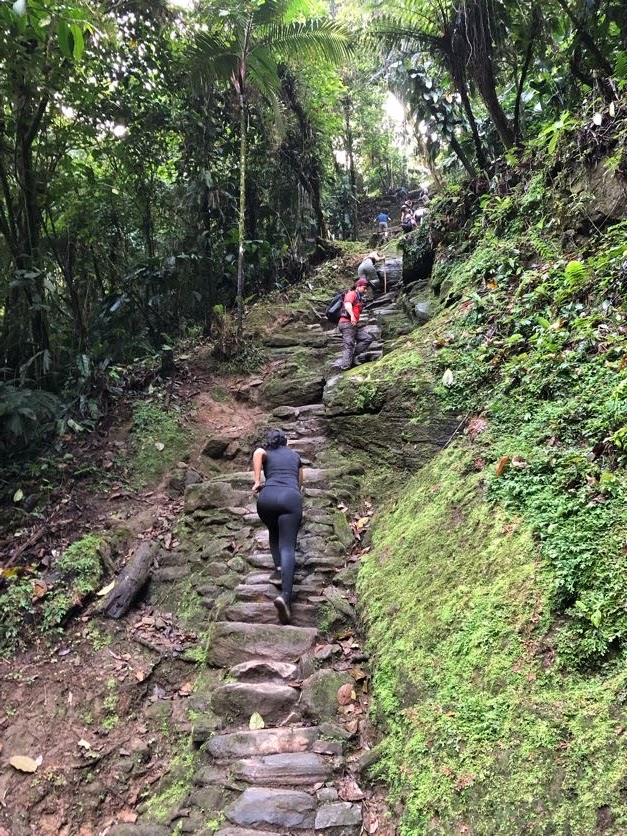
(246, 743)
(264, 671)
(263, 806)
(233, 642)
(285, 769)
(245, 831)
(239, 700)
(303, 615)
(260, 593)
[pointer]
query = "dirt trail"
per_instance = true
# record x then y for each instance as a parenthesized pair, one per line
(107, 708)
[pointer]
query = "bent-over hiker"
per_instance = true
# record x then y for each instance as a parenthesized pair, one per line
(280, 508)
(367, 270)
(349, 320)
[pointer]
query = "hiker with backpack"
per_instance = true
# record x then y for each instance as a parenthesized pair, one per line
(352, 305)
(280, 508)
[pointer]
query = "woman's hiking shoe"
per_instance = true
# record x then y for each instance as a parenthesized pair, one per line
(275, 577)
(283, 609)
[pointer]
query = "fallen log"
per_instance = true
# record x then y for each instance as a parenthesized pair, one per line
(132, 580)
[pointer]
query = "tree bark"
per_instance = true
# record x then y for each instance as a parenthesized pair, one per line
(241, 220)
(351, 166)
(132, 580)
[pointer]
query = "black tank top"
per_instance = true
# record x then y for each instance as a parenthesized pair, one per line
(281, 467)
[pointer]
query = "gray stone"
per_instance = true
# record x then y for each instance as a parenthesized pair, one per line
(327, 747)
(288, 768)
(342, 530)
(168, 574)
(216, 568)
(256, 591)
(215, 549)
(237, 564)
(261, 560)
(283, 808)
(327, 794)
(338, 602)
(239, 700)
(348, 575)
(244, 831)
(263, 671)
(319, 693)
(233, 643)
(303, 615)
(218, 494)
(338, 814)
(192, 477)
(215, 447)
(241, 744)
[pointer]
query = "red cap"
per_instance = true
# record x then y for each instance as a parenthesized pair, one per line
(360, 282)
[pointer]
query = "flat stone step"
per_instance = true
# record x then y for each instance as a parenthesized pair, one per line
(245, 831)
(260, 593)
(256, 591)
(239, 700)
(246, 743)
(261, 806)
(261, 560)
(234, 642)
(303, 615)
(264, 671)
(288, 768)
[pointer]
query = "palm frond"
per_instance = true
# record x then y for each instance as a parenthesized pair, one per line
(316, 38)
(262, 68)
(213, 59)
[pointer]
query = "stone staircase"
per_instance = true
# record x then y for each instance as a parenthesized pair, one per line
(288, 777)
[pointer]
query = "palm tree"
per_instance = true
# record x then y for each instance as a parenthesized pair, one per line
(244, 48)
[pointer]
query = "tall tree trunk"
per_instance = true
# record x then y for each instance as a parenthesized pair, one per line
(351, 166)
(308, 165)
(241, 220)
(471, 42)
(462, 88)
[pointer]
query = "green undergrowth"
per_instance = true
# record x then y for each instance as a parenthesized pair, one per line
(536, 360)
(29, 603)
(483, 729)
(158, 441)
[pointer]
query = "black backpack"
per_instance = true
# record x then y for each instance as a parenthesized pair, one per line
(335, 307)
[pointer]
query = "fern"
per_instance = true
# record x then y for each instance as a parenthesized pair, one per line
(620, 67)
(575, 274)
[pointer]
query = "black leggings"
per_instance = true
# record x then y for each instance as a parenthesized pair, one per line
(281, 510)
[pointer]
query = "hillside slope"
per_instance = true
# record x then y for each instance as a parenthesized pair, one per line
(494, 594)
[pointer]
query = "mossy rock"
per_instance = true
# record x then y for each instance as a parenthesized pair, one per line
(319, 694)
(293, 385)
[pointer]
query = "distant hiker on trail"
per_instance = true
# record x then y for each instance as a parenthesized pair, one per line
(407, 216)
(367, 269)
(383, 220)
(280, 508)
(419, 215)
(349, 320)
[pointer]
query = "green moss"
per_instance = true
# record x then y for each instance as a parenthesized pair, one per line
(158, 442)
(481, 726)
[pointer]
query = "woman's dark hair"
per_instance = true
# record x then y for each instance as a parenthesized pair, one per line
(276, 438)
